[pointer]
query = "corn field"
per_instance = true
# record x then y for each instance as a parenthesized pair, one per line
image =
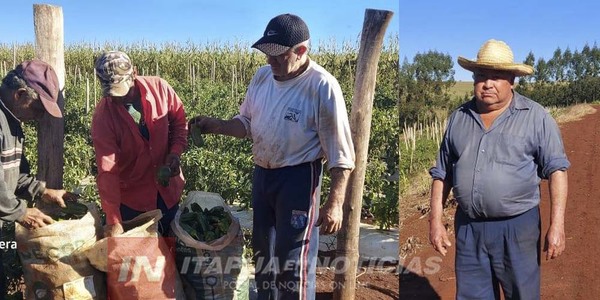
(211, 79)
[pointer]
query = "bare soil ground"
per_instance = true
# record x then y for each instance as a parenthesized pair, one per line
(372, 284)
(427, 275)
(375, 280)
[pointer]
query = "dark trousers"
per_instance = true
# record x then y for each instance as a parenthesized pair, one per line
(499, 252)
(284, 238)
(168, 214)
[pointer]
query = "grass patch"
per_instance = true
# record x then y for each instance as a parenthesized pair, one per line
(571, 113)
(461, 88)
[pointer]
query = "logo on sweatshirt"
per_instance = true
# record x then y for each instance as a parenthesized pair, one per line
(292, 114)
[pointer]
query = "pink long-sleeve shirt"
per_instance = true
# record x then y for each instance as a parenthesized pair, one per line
(127, 163)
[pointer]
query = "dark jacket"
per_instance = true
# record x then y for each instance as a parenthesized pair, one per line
(16, 184)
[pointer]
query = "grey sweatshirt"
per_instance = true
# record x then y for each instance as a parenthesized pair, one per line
(16, 184)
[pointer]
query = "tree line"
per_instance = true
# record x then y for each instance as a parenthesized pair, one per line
(567, 78)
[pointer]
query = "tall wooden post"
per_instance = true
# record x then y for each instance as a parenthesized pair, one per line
(374, 26)
(49, 47)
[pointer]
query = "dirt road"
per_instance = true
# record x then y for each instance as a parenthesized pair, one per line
(574, 274)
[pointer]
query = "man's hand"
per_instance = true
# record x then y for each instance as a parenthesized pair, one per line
(331, 214)
(34, 218)
(438, 237)
(58, 197)
(330, 218)
(555, 242)
(173, 162)
(202, 123)
(232, 127)
(555, 237)
(113, 230)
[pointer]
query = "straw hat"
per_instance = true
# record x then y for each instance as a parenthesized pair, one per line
(495, 55)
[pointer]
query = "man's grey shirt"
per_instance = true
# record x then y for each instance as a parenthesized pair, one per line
(16, 184)
(496, 172)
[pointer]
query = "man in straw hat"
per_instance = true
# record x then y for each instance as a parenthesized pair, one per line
(496, 149)
(27, 93)
(138, 127)
(294, 112)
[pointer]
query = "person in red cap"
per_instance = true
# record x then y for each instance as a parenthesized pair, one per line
(295, 114)
(27, 93)
(138, 129)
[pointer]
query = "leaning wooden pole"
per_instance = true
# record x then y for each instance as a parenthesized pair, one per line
(374, 26)
(49, 47)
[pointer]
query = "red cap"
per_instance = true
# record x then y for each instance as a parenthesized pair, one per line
(41, 77)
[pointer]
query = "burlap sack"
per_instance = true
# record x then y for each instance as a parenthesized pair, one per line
(139, 263)
(54, 261)
(144, 225)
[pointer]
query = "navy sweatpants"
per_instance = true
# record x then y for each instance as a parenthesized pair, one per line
(503, 252)
(284, 238)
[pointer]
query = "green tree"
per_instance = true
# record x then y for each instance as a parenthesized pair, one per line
(434, 70)
(529, 60)
(567, 59)
(424, 84)
(555, 65)
(542, 73)
(407, 82)
(594, 58)
(586, 56)
(577, 66)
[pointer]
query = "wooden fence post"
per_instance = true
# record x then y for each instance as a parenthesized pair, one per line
(374, 26)
(87, 94)
(49, 47)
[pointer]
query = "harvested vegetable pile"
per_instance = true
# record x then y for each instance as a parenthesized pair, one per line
(72, 211)
(205, 224)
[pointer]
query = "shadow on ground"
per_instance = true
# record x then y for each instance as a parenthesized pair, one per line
(415, 287)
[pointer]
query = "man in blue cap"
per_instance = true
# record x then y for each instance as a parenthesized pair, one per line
(295, 114)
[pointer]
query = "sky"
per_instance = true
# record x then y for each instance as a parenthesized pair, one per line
(200, 21)
(456, 28)
(459, 28)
